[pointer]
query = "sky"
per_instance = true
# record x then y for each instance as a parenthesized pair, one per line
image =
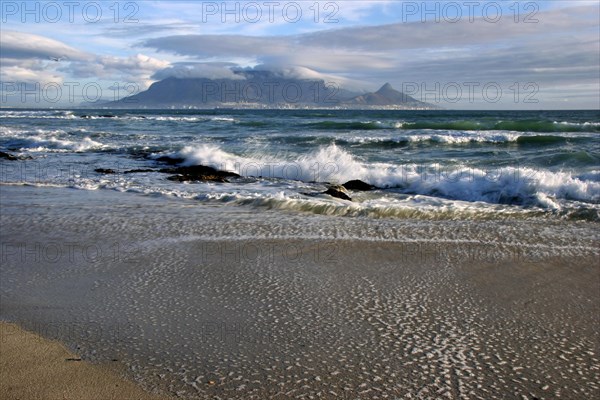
(455, 54)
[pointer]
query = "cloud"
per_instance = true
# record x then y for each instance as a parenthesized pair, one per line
(28, 71)
(33, 58)
(198, 70)
(148, 29)
(283, 50)
(300, 72)
(136, 69)
(375, 40)
(561, 48)
(292, 72)
(223, 70)
(20, 45)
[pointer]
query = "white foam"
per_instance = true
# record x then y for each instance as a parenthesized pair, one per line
(54, 144)
(326, 164)
(38, 114)
(451, 137)
(508, 184)
(166, 118)
(577, 123)
(515, 185)
(184, 118)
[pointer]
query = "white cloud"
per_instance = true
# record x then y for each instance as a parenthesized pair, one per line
(138, 68)
(198, 70)
(27, 46)
(33, 58)
(29, 71)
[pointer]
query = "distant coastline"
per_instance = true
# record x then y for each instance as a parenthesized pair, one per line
(257, 106)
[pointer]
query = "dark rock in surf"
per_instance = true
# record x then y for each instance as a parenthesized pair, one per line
(198, 173)
(170, 160)
(8, 156)
(198, 170)
(357, 184)
(135, 171)
(197, 178)
(338, 191)
(105, 171)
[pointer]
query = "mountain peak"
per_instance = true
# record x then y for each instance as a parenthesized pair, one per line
(388, 96)
(385, 88)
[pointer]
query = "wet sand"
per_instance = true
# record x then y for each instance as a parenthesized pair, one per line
(198, 302)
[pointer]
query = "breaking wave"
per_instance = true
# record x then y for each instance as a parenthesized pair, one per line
(523, 186)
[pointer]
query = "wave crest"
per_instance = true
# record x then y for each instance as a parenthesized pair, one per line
(524, 186)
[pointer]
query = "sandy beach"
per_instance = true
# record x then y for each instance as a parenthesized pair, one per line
(198, 302)
(33, 367)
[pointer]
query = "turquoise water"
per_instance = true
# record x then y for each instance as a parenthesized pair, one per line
(426, 164)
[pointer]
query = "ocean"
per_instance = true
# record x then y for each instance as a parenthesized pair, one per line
(425, 164)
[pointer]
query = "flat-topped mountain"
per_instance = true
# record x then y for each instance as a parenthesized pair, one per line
(262, 89)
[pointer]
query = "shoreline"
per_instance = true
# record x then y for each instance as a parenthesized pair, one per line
(192, 309)
(33, 367)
